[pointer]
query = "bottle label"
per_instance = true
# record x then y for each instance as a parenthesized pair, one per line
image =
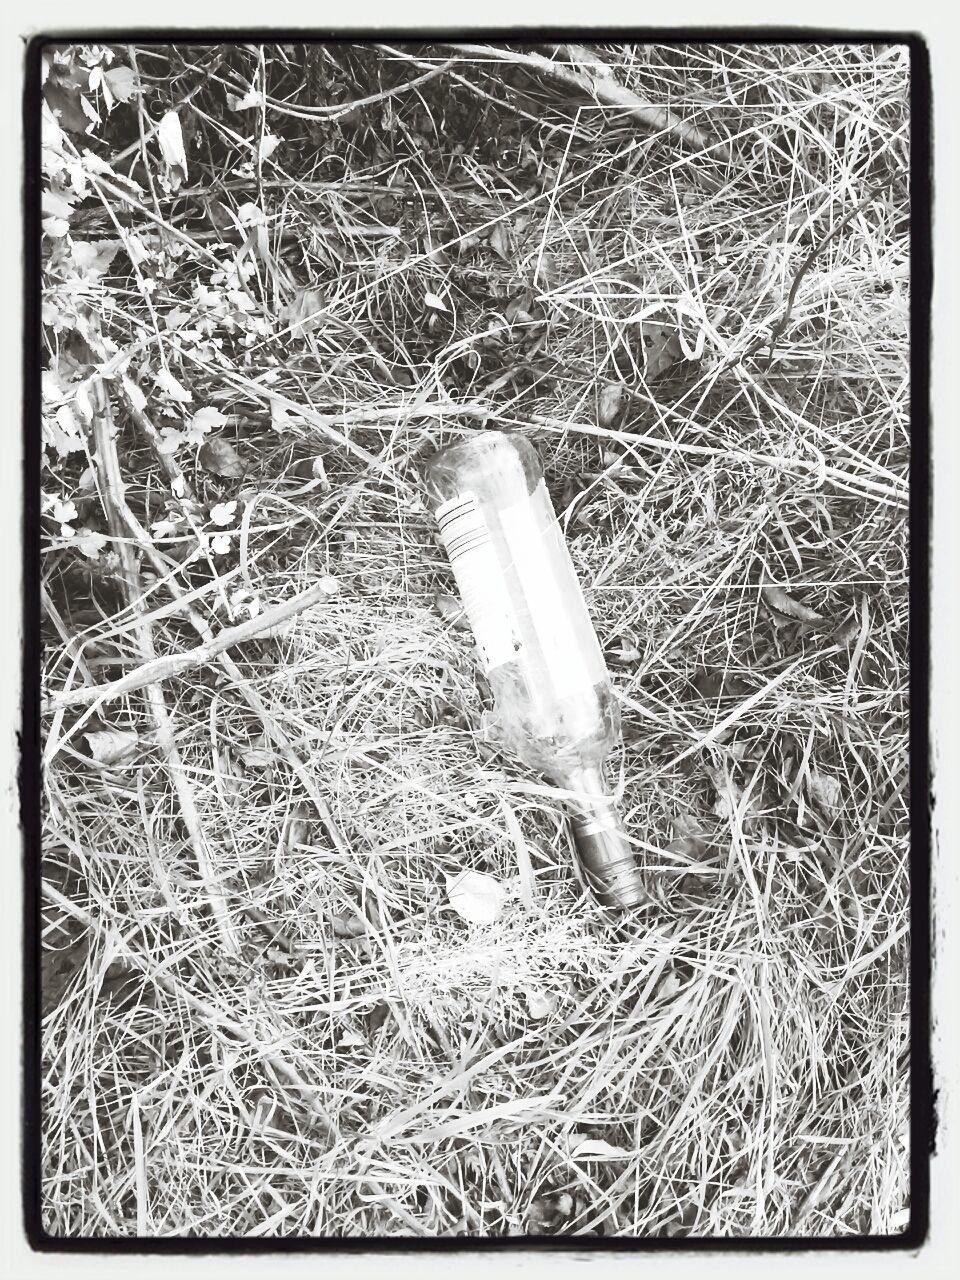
(547, 577)
(479, 576)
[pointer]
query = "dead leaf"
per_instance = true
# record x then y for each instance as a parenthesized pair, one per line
(221, 459)
(169, 385)
(348, 924)
(778, 599)
(300, 828)
(661, 347)
(303, 313)
(501, 241)
(476, 896)
(110, 746)
(268, 145)
(121, 82)
(248, 102)
(203, 422)
(451, 610)
(223, 513)
(93, 257)
(626, 652)
(669, 985)
(170, 140)
(825, 791)
(611, 397)
(259, 755)
(540, 1004)
(596, 1149)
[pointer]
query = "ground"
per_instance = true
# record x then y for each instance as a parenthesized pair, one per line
(276, 279)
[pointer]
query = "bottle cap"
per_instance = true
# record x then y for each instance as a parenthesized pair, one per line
(608, 863)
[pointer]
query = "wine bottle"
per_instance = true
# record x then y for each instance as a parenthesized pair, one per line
(553, 700)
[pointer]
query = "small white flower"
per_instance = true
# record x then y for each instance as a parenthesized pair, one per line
(221, 544)
(223, 513)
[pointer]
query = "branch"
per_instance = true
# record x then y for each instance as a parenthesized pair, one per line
(175, 664)
(602, 88)
(119, 516)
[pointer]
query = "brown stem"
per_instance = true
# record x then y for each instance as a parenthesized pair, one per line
(603, 88)
(119, 519)
(175, 664)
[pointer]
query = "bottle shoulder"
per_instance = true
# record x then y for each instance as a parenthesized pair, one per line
(485, 462)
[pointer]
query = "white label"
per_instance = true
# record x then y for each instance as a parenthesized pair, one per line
(483, 590)
(552, 594)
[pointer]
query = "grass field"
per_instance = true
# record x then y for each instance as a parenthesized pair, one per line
(262, 1015)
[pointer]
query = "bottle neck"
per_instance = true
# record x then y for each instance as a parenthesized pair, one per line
(604, 851)
(588, 782)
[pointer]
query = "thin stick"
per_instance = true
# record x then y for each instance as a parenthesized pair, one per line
(175, 664)
(112, 488)
(603, 88)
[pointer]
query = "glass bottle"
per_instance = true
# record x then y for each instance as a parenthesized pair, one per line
(553, 700)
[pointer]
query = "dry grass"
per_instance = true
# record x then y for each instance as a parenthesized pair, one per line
(367, 1063)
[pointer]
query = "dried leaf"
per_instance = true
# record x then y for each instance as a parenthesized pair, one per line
(348, 924)
(303, 311)
(268, 145)
(626, 651)
(90, 542)
(596, 1149)
(109, 746)
(778, 599)
(203, 422)
(247, 103)
(451, 610)
(121, 82)
(170, 140)
(476, 896)
(258, 756)
(251, 215)
(501, 241)
(300, 828)
(540, 1004)
(221, 459)
(825, 791)
(171, 387)
(611, 398)
(661, 347)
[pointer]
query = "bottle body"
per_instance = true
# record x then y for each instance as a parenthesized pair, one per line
(554, 704)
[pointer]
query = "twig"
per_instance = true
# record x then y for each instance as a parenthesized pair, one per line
(111, 483)
(603, 88)
(175, 664)
(242, 685)
(473, 88)
(771, 338)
